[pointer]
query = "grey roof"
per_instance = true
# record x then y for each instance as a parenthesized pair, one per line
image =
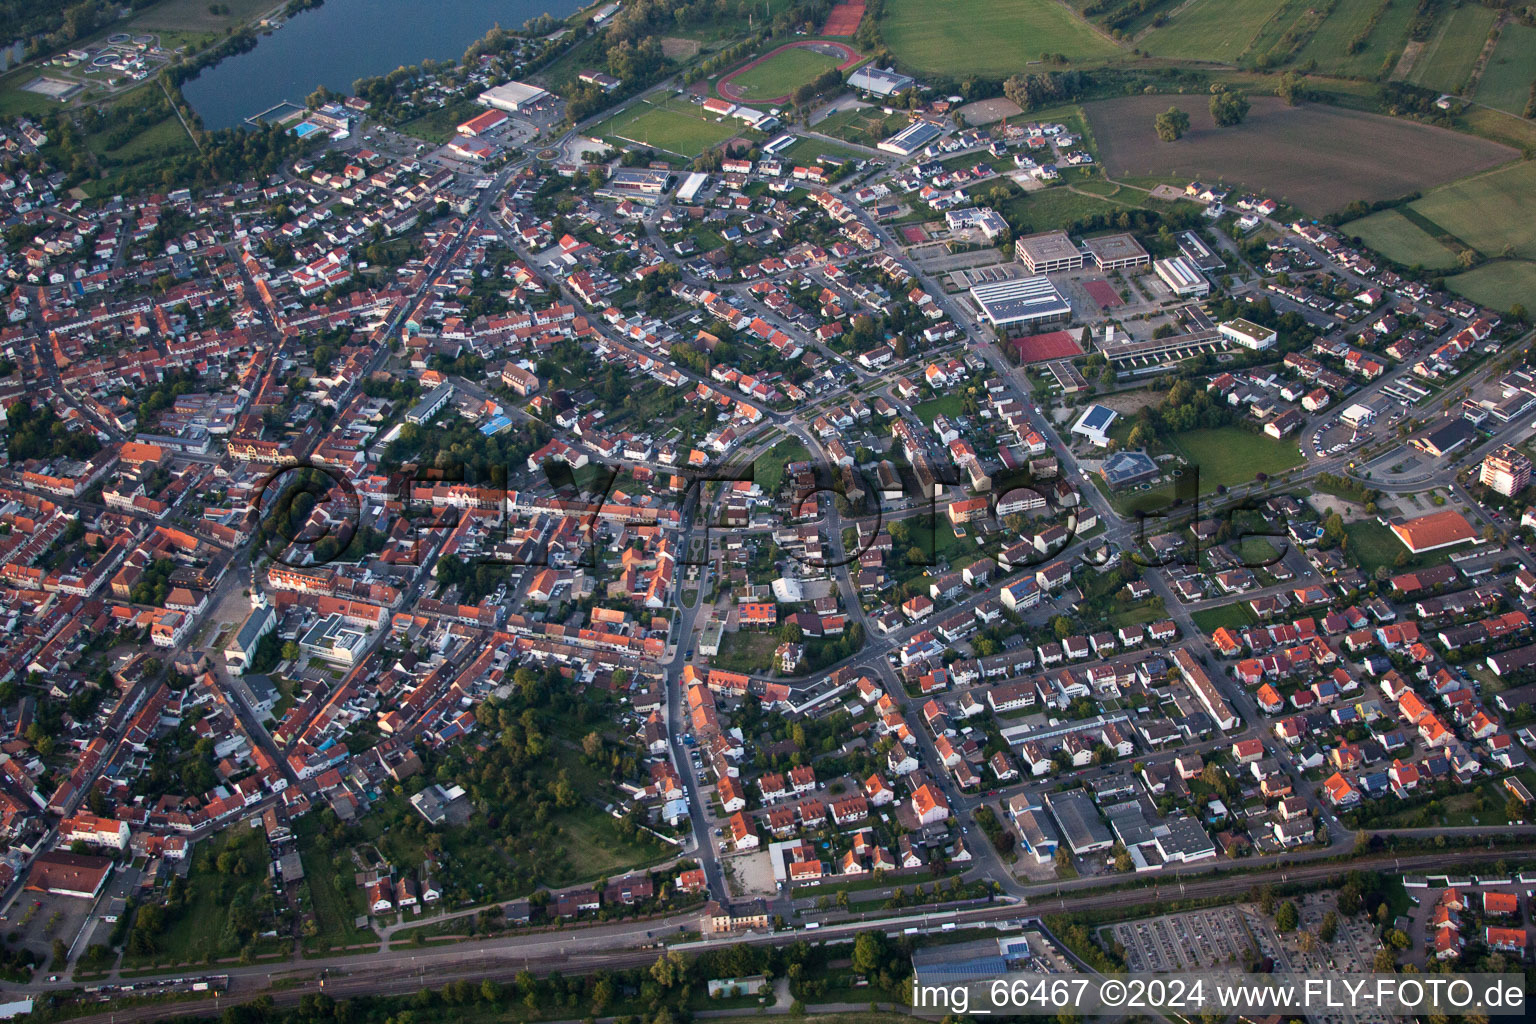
(252, 629)
(1181, 836)
(1020, 300)
(1127, 467)
(1079, 820)
(1037, 830)
(1130, 823)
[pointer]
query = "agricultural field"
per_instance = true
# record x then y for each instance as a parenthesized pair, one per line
(1211, 30)
(195, 16)
(1452, 49)
(987, 37)
(1489, 211)
(1395, 236)
(674, 126)
(1316, 158)
(1506, 81)
(781, 73)
(1498, 285)
(1291, 27)
(1329, 46)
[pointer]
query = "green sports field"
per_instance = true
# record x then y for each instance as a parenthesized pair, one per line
(1231, 456)
(781, 74)
(987, 37)
(1452, 49)
(1489, 211)
(1506, 81)
(677, 127)
(1498, 285)
(1398, 238)
(1214, 30)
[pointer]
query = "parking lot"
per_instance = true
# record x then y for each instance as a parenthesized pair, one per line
(1186, 942)
(40, 918)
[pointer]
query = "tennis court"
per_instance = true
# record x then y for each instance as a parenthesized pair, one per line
(1041, 348)
(843, 20)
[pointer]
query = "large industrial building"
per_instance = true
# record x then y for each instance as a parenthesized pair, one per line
(1080, 823)
(1021, 303)
(514, 97)
(1048, 252)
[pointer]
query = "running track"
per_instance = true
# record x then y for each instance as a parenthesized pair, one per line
(728, 91)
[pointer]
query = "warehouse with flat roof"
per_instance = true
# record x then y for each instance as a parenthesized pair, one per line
(1080, 823)
(1182, 278)
(514, 97)
(1021, 303)
(911, 139)
(1116, 252)
(1048, 252)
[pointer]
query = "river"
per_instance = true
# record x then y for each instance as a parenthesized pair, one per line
(344, 40)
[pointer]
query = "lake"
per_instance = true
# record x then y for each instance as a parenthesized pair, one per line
(344, 40)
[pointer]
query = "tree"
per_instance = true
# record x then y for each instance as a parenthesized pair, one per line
(291, 651)
(868, 952)
(669, 969)
(1287, 917)
(1228, 108)
(592, 744)
(1329, 928)
(1291, 88)
(1333, 528)
(1171, 124)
